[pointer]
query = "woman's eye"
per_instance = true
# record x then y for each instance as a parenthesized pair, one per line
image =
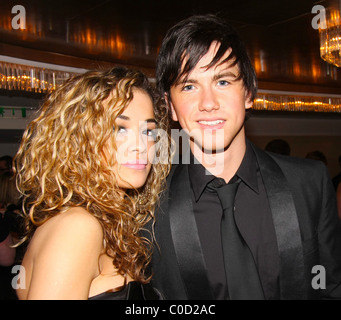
(120, 129)
(151, 133)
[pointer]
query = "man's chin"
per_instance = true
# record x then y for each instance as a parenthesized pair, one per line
(209, 148)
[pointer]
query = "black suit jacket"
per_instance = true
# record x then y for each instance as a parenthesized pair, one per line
(308, 231)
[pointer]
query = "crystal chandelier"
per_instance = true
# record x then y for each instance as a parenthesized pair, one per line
(26, 75)
(269, 100)
(330, 38)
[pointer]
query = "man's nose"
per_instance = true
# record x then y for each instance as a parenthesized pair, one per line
(208, 100)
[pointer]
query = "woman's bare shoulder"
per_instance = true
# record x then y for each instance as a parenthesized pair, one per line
(62, 257)
(75, 227)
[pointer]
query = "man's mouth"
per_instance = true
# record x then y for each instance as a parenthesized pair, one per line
(211, 124)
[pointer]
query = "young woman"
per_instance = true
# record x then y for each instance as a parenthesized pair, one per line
(89, 181)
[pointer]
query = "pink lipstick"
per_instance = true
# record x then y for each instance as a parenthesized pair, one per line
(136, 164)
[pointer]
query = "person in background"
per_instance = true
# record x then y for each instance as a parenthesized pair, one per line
(236, 222)
(337, 179)
(89, 183)
(338, 199)
(279, 146)
(337, 185)
(317, 155)
(9, 231)
(9, 198)
(5, 164)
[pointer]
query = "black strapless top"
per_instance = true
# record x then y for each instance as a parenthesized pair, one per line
(131, 291)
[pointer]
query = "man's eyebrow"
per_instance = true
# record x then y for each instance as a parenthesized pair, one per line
(225, 74)
(186, 80)
(220, 75)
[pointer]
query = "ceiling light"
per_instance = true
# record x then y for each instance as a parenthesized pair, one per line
(330, 38)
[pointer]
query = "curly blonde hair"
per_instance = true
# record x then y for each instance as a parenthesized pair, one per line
(61, 163)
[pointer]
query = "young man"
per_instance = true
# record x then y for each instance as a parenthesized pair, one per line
(285, 240)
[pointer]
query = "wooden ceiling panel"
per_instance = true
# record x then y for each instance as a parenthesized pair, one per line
(283, 45)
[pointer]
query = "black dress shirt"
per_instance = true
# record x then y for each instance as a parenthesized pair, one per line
(253, 218)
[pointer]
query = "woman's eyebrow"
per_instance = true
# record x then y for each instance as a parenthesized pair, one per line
(123, 117)
(151, 120)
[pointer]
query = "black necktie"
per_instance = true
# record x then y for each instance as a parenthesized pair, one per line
(241, 273)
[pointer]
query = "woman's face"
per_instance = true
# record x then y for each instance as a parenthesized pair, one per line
(135, 141)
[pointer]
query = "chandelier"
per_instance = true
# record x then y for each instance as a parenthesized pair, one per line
(330, 38)
(26, 75)
(269, 100)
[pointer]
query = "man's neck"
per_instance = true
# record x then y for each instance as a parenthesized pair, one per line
(222, 164)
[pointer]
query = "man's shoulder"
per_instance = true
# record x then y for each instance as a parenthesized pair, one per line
(295, 165)
(296, 161)
(300, 167)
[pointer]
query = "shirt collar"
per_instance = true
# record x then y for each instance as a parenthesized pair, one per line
(248, 168)
(247, 172)
(198, 177)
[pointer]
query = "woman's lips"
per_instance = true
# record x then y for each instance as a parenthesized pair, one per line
(136, 165)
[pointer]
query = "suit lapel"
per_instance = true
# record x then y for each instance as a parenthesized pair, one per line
(292, 285)
(186, 238)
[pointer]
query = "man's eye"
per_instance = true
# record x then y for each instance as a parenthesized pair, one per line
(223, 83)
(188, 87)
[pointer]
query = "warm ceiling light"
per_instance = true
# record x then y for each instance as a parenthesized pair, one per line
(27, 75)
(330, 39)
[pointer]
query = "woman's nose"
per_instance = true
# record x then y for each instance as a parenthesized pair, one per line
(138, 143)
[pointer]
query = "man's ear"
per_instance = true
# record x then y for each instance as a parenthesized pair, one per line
(170, 105)
(248, 100)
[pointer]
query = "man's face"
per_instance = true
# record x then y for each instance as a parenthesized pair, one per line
(210, 104)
